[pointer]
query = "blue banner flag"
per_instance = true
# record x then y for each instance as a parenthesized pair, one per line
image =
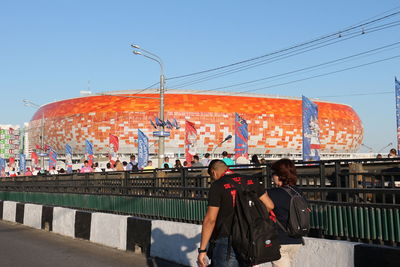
(397, 89)
(68, 150)
(241, 137)
(22, 164)
(52, 158)
(2, 167)
(68, 158)
(89, 151)
(311, 141)
(143, 150)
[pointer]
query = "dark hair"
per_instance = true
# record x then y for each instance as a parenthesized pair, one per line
(166, 166)
(206, 155)
(286, 171)
(124, 163)
(224, 153)
(214, 164)
(109, 165)
(196, 157)
(86, 161)
(254, 160)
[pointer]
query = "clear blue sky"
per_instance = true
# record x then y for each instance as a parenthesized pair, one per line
(49, 50)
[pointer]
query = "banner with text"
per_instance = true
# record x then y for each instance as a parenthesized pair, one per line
(190, 142)
(52, 158)
(143, 150)
(241, 137)
(22, 164)
(311, 141)
(89, 152)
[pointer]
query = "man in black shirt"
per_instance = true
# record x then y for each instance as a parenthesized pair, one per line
(218, 219)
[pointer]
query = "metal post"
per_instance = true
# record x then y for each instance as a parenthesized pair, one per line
(161, 143)
(42, 142)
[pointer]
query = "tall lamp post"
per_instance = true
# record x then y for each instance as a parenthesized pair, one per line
(162, 134)
(29, 103)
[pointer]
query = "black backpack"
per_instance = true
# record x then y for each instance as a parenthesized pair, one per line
(298, 223)
(253, 236)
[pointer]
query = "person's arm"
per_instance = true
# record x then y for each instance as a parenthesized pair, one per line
(267, 201)
(208, 226)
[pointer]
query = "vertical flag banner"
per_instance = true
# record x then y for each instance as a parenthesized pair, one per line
(35, 158)
(143, 150)
(241, 137)
(397, 89)
(89, 152)
(68, 158)
(52, 158)
(190, 141)
(22, 164)
(113, 148)
(11, 161)
(2, 167)
(311, 141)
(114, 142)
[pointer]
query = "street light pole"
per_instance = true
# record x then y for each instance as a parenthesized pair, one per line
(29, 103)
(161, 137)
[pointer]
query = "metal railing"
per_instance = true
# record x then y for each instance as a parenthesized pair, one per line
(356, 200)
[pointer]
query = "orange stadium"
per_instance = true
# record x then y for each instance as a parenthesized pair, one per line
(274, 123)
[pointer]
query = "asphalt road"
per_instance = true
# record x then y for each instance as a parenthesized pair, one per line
(22, 246)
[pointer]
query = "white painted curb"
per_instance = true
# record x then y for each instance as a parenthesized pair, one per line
(64, 221)
(33, 215)
(9, 210)
(176, 242)
(109, 230)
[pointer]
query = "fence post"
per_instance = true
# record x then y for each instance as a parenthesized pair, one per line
(322, 179)
(184, 174)
(266, 174)
(338, 182)
(125, 183)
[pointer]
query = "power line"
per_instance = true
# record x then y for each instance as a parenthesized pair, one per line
(335, 34)
(358, 94)
(288, 54)
(337, 61)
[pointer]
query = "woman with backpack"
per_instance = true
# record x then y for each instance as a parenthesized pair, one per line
(285, 177)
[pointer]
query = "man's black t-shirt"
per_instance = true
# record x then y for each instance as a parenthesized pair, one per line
(223, 196)
(281, 201)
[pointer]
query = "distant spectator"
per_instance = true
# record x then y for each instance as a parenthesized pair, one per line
(166, 166)
(28, 172)
(227, 159)
(263, 161)
(149, 166)
(118, 166)
(97, 168)
(86, 167)
(12, 172)
(196, 162)
(108, 167)
(166, 161)
(178, 164)
(392, 153)
(379, 156)
(254, 160)
(185, 163)
(53, 171)
(36, 171)
(206, 161)
(125, 164)
(132, 165)
(61, 171)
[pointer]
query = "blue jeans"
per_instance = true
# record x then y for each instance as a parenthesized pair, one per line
(220, 252)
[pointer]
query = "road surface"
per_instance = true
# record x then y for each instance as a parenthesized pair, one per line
(22, 246)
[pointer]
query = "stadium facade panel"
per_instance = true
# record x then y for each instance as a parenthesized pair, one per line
(274, 123)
